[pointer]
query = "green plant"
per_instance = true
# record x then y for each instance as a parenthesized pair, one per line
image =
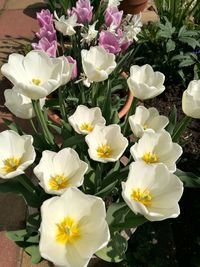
(173, 50)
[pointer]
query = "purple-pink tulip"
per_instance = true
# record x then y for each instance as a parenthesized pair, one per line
(75, 69)
(113, 16)
(109, 42)
(44, 17)
(83, 10)
(44, 45)
(47, 31)
(124, 44)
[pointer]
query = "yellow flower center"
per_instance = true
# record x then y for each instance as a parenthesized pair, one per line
(145, 126)
(58, 182)
(149, 157)
(10, 164)
(104, 151)
(36, 81)
(142, 196)
(86, 127)
(67, 231)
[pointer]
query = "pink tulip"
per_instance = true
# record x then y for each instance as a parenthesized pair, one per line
(109, 42)
(113, 16)
(83, 10)
(44, 17)
(47, 31)
(44, 45)
(75, 69)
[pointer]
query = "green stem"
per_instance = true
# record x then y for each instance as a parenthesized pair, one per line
(180, 128)
(61, 103)
(33, 126)
(41, 118)
(94, 94)
(26, 183)
(130, 112)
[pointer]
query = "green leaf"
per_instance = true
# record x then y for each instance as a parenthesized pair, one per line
(34, 252)
(172, 120)
(189, 41)
(115, 250)
(74, 140)
(115, 212)
(106, 190)
(130, 221)
(170, 45)
(188, 178)
(16, 235)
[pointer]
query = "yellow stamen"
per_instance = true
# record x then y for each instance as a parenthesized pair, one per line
(58, 182)
(142, 196)
(149, 157)
(11, 164)
(67, 231)
(145, 126)
(36, 81)
(86, 127)
(104, 151)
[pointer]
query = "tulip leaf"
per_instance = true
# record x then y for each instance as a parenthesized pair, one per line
(16, 235)
(188, 178)
(34, 252)
(115, 250)
(106, 190)
(115, 212)
(74, 140)
(172, 120)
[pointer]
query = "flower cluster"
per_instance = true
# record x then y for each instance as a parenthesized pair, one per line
(90, 148)
(46, 34)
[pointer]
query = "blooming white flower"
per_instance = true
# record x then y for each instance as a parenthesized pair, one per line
(97, 63)
(66, 26)
(152, 191)
(131, 27)
(155, 148)
(59, 171)
(20, 105)
(106, 143)
(90, 35)
(73, 228)
(191, 100)
(16, 153)
(144, 83)
(36, 75)
(84, 119)
(147, 120)
(114, 3)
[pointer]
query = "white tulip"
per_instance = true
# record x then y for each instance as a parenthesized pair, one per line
(155, 148)
(114, 2)
(84, 119)
(147, 120)
(16, 153)
(144, 83)
(152, 191)
(191, 100)
(59, 171)
(66, 26)
(73, 228)
(97, 63)
(20, 105)
(106, 143)
(36, 75)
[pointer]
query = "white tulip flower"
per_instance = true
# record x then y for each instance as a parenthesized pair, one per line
(191, 100)
(20, 105)
(66, 26)
(155, 148)
(147, 120)
(59, 171)
(36, 75)
(144, 83)
(84, 119)
(114, 2)
(152, 191)
(16, 153)
(97, 63)
(106, 143)
(73, 228)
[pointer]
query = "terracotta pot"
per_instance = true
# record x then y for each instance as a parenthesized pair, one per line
(133, 6)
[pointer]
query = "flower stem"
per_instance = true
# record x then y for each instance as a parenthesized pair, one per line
(26, 183)
(130, 112)
(61, 103)
(41, 118)
(180, 128)
(33, 125)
